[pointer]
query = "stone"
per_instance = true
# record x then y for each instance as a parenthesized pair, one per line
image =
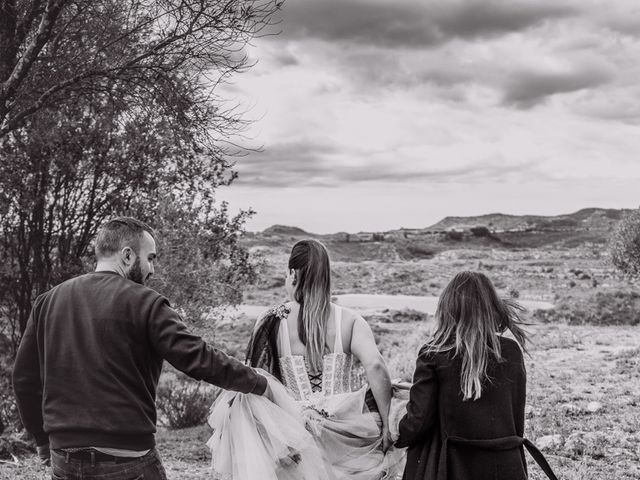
(549, 442)
(594, 407)
(585, 443)
(570, 409)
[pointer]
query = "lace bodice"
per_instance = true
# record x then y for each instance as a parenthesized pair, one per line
(336, 366)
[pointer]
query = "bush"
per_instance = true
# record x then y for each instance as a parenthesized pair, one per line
(604, 308)
(625, 244)
(9, 418)
(420, 251)
(184, 403)
(480, 232)
(454, 235)
(12, 445)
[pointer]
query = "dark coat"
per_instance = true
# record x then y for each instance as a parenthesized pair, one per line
(449, 438)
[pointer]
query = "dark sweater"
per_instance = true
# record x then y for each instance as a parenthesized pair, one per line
(90, 358)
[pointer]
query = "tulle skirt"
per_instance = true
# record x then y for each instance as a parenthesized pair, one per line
(326, 438)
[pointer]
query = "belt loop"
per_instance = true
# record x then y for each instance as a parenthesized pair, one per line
(93, 458)
(66, 457)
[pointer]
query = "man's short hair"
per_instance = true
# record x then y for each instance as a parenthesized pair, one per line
(121, 232)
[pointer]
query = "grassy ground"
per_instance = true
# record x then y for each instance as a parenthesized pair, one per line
(569, 367)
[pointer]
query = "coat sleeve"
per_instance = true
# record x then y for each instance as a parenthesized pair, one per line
(422, 409)
(27, 382)
(190, 353)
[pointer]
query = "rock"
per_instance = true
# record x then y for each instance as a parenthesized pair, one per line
(594, 407)
(549, 442)
(585, 443)
(576, 443)
(570, 409)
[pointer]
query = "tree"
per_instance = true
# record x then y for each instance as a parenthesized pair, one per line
(104, 104)
(201, 265)
(625, 244)
(72, 169)
(109, 108)
(53, 48)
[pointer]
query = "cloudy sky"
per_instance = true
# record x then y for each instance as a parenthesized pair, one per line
(380, 114)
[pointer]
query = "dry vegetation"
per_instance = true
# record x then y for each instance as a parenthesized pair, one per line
(583, 376)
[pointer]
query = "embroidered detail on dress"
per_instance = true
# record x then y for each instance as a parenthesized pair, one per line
(320, 411)
(334, 378)
(281, 311)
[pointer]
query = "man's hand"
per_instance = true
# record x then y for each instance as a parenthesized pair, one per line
(44, 454)
(268, 393)
(387, 441)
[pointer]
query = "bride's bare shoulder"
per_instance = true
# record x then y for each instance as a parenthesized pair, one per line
(349, 319)
(348, 315)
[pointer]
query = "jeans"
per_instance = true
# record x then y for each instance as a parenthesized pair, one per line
(148, 467)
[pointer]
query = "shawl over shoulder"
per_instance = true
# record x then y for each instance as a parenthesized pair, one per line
(262, 351)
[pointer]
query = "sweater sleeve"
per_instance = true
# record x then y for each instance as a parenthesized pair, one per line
(422, 409)
(27, 383)
(190, 354)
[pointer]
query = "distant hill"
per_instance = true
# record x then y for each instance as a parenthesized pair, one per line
(587, 218)
(284, 230)
(589, 226)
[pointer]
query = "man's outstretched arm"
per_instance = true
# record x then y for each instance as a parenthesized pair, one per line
(190, 354)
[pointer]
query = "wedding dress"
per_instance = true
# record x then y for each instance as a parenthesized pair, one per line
(316, 427)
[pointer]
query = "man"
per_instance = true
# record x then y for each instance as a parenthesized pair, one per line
(87, 368)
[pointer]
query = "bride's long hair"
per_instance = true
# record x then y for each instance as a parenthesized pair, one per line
(310, 259)
(469, 317)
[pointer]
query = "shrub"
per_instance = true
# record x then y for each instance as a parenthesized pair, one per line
(184, 403)
(625, 244)
(454, 235)
(420, 251)
(9, 419)
(13, 444)
(604, 308)
(480, 232)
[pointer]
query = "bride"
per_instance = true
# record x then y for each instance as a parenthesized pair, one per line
(318, 426)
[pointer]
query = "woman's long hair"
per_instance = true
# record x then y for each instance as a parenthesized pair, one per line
(310, 260)
(469, 316)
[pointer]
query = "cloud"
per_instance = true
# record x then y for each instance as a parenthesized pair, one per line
(373, 94)
(285, 59)
(619, 18)
(528, 87)
(415, 24)
(288, 164)
(622, 105)
(309, 163)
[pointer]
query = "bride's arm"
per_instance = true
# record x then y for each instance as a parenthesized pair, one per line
(364, 347)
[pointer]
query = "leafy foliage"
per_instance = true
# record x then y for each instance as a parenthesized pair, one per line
(625, 244)
(110, 108)
(201, 265)
(123, 51)
(604, 308)
(184, 403)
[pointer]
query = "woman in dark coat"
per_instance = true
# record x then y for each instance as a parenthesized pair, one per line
(465, 416)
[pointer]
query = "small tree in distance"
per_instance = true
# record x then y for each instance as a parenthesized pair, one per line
(625, 244)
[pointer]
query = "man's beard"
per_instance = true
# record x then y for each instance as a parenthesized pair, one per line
(135, 274)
